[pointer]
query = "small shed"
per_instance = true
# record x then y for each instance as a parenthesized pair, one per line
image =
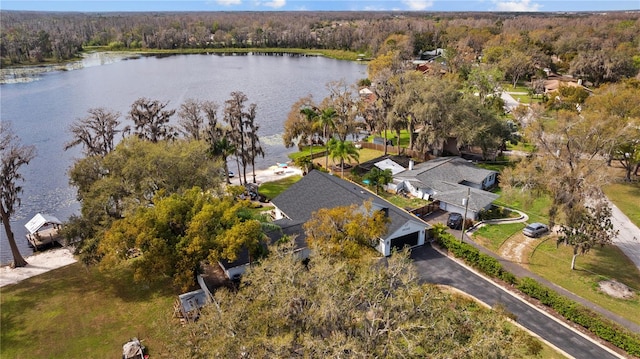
(188, 305)
(43, 229)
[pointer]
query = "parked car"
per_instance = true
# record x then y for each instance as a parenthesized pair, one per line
(454, 221)
(535, 230)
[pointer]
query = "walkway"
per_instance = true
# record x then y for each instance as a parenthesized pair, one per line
(434, 267)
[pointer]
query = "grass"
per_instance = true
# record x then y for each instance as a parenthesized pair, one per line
(493, 235)
(272, 189)
(521, 146)
(537, 208)
(554, 264)
(607, 262)
(334, 54)
(626, 197)
(73, 312)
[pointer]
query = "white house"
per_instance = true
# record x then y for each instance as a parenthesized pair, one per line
(450, 180)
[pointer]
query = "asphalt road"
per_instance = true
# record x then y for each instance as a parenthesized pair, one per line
(433, 267)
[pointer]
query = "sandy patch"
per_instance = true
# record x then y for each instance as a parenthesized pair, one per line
(268, 175)
(517, 248)
(38, 263)
(616, 289)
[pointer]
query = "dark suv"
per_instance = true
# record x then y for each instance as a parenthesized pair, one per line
(454, 221)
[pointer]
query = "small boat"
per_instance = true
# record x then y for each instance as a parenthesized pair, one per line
(43, 229)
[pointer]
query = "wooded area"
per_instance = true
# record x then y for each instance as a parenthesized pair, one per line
(599, 47)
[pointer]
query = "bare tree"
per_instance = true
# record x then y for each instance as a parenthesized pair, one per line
(151, 120)
(13, 156)
(191, 119)
(96, 132)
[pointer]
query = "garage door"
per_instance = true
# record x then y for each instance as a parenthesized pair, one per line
(408, 240)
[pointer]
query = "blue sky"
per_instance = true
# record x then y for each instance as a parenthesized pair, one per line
(320, 5)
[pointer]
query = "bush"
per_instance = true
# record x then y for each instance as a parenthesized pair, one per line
(570, 310)
(494, 213)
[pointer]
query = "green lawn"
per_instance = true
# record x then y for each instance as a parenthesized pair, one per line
(272, 189)
(73, 312)
(536, 207)
(554, 264)
(626, 197)
(521, 146)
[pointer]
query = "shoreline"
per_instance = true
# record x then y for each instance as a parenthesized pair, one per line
(38, 263)
(50, 259)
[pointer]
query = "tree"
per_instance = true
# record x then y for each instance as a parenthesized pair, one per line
(348, 231)
(254, 149)
(516, 66)
(300, 122)
(96, 132)
(330, 307)
(222, 148)
(568, 163)
(615, 105)
(591, 226)
(236, 117)
(378, 178)
(13, 156)
(343, 151)
(485, 81)
(311, 114)
(178, 232)
(603, 66)
(131, 176)
(326, 121)
(151, 120)
(191, 119)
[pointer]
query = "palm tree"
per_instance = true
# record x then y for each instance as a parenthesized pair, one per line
(312, 115)
(378, 178)
(223, 148)
(342, 150)
(327, 123)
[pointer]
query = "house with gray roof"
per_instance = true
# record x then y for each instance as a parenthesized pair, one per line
(319, 190)
(450, 180)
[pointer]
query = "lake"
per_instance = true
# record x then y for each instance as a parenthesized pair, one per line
(42, 110)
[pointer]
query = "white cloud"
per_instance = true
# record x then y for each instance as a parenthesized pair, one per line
(229, 2)
(276, 4)
(418, 5)
(516, 5)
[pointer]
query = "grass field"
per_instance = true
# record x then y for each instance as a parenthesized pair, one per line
(626, 196)
(73, 312)
(272, 189)
(607, 262)
(536, 207)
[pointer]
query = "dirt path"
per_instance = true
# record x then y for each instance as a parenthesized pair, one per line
(517, 248)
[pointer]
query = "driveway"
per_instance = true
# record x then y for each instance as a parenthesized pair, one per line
(628, 239)
(434, 267)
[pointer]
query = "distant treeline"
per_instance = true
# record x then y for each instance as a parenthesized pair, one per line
(35, 37)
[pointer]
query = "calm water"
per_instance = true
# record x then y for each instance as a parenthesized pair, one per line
(42, 110)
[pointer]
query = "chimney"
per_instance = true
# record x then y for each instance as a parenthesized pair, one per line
(410, 165)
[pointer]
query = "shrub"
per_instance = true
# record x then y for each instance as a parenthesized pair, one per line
(570, 310)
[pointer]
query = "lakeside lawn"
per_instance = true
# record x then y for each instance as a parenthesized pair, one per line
(75, 312)
(273, 188)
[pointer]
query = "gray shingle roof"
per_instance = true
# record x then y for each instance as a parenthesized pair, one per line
(319, 190)
(445, 169)
(454, 193)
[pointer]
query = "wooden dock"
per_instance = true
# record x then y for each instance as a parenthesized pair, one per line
(44, 237)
